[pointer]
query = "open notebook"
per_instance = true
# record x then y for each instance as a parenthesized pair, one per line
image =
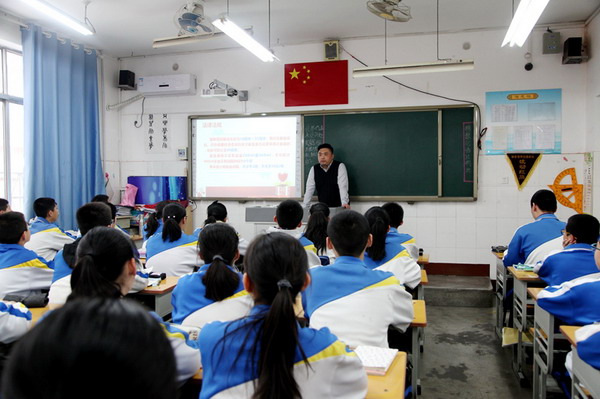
(376, 360)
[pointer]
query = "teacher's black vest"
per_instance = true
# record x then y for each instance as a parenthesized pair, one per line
(326, 184)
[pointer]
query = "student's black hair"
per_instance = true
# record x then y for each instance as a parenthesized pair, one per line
(104, 198)
(218, 245)
(277, 264)
(101, 256)
(379, 222)
(289, 214)
(348, 231)
(172, 216)
(395, 212)
(216, 212)
(3, 204)
(585, 228)
(325, 145)
(545, 200)
(100, 198)
(93, 349)
(12, 227)
(152, 222)
(43, 205)
(93, 214)
(316, 227)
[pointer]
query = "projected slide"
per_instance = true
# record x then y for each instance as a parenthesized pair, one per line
(246, 157)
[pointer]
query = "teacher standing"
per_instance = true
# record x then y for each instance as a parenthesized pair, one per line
(330, 178)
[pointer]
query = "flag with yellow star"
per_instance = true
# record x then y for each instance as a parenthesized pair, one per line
(316, 83)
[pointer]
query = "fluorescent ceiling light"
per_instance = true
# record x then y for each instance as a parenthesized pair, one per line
(240, 36)
(439, 66)
(59, 16)
(184, 39)
(527, 15)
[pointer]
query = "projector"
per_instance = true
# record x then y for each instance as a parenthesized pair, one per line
(214, 93)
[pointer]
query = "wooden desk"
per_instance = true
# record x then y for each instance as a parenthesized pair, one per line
(582, 375)
(422, 284)
(37, 313)
(423, 260)
(522, 279)
(390, 385)
(158, 298)
(502, 277)
(569, 333)
(417, 325)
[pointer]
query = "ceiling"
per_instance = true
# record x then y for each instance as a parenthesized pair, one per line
(128, 27)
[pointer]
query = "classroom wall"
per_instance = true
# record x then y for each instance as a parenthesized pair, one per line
(449, 232)
(593, 101)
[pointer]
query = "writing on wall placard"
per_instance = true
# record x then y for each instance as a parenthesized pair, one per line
(157, 138)
(523, 165)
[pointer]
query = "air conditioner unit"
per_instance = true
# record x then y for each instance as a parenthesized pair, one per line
(183, 84)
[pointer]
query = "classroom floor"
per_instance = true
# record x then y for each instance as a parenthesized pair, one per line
(463, 357)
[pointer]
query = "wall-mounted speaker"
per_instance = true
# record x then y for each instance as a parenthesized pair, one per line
(332, 50)
(574, 51)
(126, 80)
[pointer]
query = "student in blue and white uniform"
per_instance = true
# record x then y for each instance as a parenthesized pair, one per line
(316, 229)
(15, 320)
(216, 291)
(216, 212)
(396, 214)
(588, 344)
(22, 271)
(532, 242)
(356, 303)
(106, 268)
(577, 257)
(288, 217)
(154, 224)
(88, 216)
(172, 252)
(387, 255)
(298, 362)
(46, 237)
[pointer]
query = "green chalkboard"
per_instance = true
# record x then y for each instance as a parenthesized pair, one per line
(406, 154)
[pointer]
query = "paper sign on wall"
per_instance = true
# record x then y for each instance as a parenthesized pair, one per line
(568, 192)
(158, 134)
(523, 165)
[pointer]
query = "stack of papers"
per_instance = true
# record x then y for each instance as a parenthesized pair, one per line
(375, 360)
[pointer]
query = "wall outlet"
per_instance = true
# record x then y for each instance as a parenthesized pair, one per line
(182, 154)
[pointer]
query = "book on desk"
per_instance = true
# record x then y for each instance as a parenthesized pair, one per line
(375, 360)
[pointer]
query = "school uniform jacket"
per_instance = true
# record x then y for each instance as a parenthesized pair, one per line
(356, 303)
(15, 320)
(192, 308)
(60, 289)
(47, 238)
(398, 261)
(574, 261)
(575, 302)
(242, 242)
(22, 271)
(406, 240)
(309, 246)
(532, 242)
(335, 371)
(173, 258)
(588, 344)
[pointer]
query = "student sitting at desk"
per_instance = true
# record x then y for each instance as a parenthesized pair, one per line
(88, 216)
(113, 210)
(396, 214)
(216, 291)
(387, 255)
(22, 271)
(575, 302)
(316, 229)
(216, 212)
(172, 252)
(288, 217)
(154, 224)
(588, 344)
(46, 237)
(577, 257)
(534, 241)
(267, 354)
(356, 303)
(106, 268)
(4, 206)
(99, 348)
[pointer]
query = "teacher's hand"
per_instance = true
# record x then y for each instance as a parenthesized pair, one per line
(347, 206)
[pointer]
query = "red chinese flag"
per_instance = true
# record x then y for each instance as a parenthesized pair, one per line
(316, 83)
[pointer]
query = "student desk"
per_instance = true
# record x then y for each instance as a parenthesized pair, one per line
(423, 260)
(502, 277)
(544, 337)
(521, 301)
(158, 298)
(37, 313)
(417, 325)
(583, 373)
(422, 284)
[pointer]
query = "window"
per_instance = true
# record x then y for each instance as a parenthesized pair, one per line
(12, 128)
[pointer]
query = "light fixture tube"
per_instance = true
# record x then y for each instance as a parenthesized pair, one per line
(439, 66)
(527, 15)
(59, 16)
(244, 39)
(185, 39)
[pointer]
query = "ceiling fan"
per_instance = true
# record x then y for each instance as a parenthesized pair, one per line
(390, 10)
(193, 26)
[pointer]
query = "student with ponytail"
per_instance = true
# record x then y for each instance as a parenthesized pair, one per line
(106, 268)
(216, 291)
(154, 224)
(172, 252)
(268, 354)
(216, 212)
(387, 255)
(316, 228)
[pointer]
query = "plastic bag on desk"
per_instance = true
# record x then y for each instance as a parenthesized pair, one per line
(129, 195)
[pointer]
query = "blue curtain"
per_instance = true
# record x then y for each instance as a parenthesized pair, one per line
(62, 137)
